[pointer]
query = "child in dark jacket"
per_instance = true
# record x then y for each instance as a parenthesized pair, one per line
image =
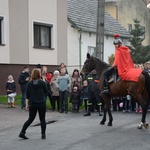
(74, 99)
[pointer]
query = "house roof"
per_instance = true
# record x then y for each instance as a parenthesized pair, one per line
(83, 15)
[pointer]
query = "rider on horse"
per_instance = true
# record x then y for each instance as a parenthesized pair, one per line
(124, 64)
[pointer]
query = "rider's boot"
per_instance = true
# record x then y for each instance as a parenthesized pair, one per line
(106, 89)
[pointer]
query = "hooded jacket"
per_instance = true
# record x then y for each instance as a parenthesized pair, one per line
(36, 92)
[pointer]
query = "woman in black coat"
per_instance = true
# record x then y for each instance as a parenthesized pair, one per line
(35, 101)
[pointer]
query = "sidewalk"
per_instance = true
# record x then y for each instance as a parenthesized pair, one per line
(11, 117)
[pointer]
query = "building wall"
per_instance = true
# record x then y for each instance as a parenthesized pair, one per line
(87, 39)
(4, 49)
(127, 10)
(62, 48)
(42, 12)
(18, 24)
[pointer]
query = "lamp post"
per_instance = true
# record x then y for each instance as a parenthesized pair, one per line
(100, 30)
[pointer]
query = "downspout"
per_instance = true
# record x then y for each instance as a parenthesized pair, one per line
(80, 42)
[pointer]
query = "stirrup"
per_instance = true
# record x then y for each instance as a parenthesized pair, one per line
(105, 91)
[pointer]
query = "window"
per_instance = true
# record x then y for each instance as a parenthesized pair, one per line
(43, 35)
(1, 30)
(92, 51)
(129, 27)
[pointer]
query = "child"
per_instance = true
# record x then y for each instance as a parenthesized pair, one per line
(11, 91)
(74, 99)
(85, 93)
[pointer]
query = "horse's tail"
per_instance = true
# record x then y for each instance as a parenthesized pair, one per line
(147, 82)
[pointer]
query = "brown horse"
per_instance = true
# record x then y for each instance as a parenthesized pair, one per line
(138, 90)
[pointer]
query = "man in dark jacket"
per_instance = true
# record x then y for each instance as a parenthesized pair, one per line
(23, 80)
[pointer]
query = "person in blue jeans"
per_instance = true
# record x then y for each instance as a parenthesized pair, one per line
(63, 83)
(23, 80)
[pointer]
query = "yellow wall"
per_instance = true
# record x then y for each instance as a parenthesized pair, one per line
(126, 10)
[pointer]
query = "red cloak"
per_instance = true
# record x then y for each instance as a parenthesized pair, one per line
(124, 63)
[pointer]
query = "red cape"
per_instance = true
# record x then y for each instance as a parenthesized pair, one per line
(124, 63)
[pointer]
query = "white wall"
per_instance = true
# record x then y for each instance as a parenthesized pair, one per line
(87, 40)
(5, 53)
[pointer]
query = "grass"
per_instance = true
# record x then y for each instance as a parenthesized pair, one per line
(4, 100)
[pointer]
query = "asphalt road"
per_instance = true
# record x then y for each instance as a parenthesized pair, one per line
(76, 132)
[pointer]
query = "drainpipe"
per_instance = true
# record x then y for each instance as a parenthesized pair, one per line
(80, 42)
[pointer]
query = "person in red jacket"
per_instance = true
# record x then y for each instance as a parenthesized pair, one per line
(124, 64)
(46, 76)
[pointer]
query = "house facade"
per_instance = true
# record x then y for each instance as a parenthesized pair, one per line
(31, 32)
(125, 11)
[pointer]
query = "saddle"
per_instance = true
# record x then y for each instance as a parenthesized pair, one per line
(115, 77)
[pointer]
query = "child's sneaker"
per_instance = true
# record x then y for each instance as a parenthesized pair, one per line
(140, 111)
(136, 110)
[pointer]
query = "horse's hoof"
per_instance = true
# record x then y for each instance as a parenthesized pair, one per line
(109, 124)
(146, 126)
(102, 123)
(100, 115)
(139, 127)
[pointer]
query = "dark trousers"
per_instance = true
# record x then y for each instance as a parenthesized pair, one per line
(23, 99)
(32, 114)
(74, 106)
(94, 98)
(56, 99)
(51, 99)
(107, 73)
(63, 100)
(85, 103)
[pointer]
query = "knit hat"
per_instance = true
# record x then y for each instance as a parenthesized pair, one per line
(56, 72)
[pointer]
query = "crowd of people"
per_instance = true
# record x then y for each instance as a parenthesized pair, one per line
(78, 90)
(61, 88)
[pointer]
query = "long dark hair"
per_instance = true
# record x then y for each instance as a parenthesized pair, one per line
(75, 70)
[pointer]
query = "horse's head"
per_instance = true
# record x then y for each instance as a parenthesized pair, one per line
(88, 66)
(92, 63)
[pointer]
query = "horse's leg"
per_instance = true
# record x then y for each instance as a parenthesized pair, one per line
(107, 101)
(110, 117)
(104, 116)
(143, 120)
(144, 104)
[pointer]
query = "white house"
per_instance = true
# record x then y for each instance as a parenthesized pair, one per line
(82, 21)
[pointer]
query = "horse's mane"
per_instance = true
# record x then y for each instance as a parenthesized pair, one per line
(104, 64)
